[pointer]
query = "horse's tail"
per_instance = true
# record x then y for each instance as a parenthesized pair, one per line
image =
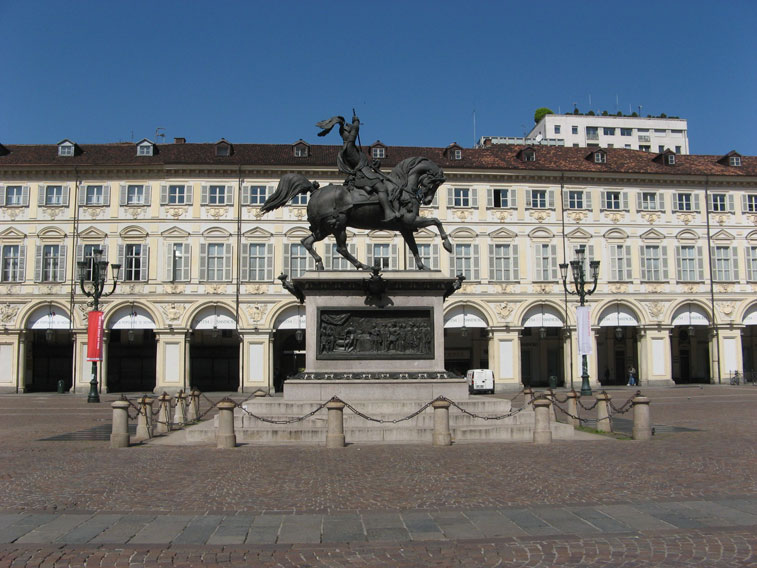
(289, 186)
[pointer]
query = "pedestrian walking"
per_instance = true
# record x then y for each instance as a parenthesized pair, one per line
(631, 376)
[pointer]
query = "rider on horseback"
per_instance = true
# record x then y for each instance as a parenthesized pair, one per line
(354, 163)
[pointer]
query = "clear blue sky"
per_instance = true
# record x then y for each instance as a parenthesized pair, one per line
(265, 72)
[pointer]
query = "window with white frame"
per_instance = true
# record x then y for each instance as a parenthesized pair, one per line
(176, 194)
(378, 153)
(557, 129)
(685, 201)
(134, 260)
(577, 199)
(50, 265)
(144, 149)
(608, 131)
(215, 262)
(721, 202)
(300, 151)
(429, 254)
(299, 199)
(134, 194)
(613, 200)
(689, 263)
(749, 202)
(86, 253)
(94, 195)
(751, 263)
(54, 195)
(540, 199)
(254, 195)
(626, 131)
(460, 197)
(13, 259)
(574, 129)
(257, 262)
(178, 262)
(725, 264)
(383, 255)
(503, 262)
(592, 133)
(457, 154)
(217, 194)
(620, 263)
(501, 198)
(600, 157)
(648, 201)
(465, 261)
(14, 196)
(335, 261)
(734, 160)
(66, 150)
(296, 260)
(654, 264)
(545, 262)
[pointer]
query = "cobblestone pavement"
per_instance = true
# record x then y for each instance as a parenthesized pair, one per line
(682, 499)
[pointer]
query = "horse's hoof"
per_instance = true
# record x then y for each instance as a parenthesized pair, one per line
(319, 266)
(447, 246)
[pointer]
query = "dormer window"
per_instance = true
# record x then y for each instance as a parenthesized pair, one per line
(301, 149)
(454, 152)
(66, 148)
(457, 154)
(670, 159)
(734, 161)
(732, 158)
(598, 157)
(528, 155)
(378, 152)
(667, 157)
(145, 148)
(223, 149)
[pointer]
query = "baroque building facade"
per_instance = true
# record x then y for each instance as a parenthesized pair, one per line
(199, 303)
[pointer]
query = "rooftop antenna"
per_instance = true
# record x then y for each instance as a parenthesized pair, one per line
(617, 106)
(475, 140)
(159, 134)
(590, 101)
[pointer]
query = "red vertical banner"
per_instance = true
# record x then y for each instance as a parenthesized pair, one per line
(95, 337)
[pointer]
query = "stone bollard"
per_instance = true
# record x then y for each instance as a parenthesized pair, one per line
(528, 396)
(119, 436)
(180, 414)
(603, 412)
(163, 425)
(225, 437)
(573, 409)
(194, 406)
(335, 424)
(442, 435)
(642, 427)
(542, 432)
(552, 409)
(144, 419)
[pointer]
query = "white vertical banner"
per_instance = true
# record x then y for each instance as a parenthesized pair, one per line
(583, 325)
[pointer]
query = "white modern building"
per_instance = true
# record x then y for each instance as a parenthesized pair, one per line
(628, 132)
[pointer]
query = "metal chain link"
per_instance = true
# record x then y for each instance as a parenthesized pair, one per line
(288, 420)
(481, 416)
(626, 406)
(383, 421)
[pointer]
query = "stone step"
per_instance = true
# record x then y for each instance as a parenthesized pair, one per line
(405, 407)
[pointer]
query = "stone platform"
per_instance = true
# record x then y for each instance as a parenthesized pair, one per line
(419, 429)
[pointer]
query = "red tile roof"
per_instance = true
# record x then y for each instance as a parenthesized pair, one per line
(495, 157)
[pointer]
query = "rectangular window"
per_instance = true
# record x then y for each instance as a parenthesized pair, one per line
(751, 202)
(94, 195)
(178, 262)
(734, 160)
(133, 264)
(378, 153)
(87, 254)
(608, 131)
(645, 147)
(724, 264)
(381, 256)
(256, 195)
(177, 194)
(217, 195)
(557, 129)
(626, 131)
(592, 133)
(52, 262)
(689, 264)
(12, 259)
(539, 198)
(298, 260)
(648, 201)
(54, 195)
(653, 263)
(545, 262)
(460, 197)
(335, 261)
(678, 149)
(576, 199)
(614, 200)
(144, 150)
(500, 198)
(620, 263)
(135, 194)
(14, 196)
(718, 202)
(216, 262)
(660, 148)
(751, 263)
(683, 202)
(465, 261)
(429, 254)
(574, 129)
(503, 263)
(301, 199)
(259, 262)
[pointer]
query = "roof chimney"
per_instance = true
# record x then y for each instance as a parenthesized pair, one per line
(179, 140)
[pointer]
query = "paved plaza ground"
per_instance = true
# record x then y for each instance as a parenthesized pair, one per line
(688, 497)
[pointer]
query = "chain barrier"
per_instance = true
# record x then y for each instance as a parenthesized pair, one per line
(587, 408)
(483, 417)
(383, 421)
(289, 420)
(555, 398)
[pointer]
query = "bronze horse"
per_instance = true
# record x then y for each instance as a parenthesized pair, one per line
(332, 208)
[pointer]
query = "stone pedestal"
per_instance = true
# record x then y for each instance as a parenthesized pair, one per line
(374, 338)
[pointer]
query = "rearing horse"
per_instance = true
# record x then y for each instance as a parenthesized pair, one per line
(332, 208)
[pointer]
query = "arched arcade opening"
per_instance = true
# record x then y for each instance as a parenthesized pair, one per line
(50, 350)
(288, 345)
(214, 350)
(466, 339)
(541, 346)
(131, 351)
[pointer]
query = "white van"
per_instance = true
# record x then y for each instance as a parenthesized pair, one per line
(480, 380)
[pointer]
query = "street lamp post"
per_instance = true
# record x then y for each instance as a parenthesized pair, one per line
(580, 283)
(94, 289)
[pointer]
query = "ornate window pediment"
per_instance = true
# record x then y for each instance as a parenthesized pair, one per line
(257, 234)
(541, 233)
(463, 233)
(51, 233)
(616, 235)
(12, 234)
(723, 236)
(92, 233)
(175, 233)
(133, 232)
(579, 235)
(216, 233)
(503, 234)
(687, 235)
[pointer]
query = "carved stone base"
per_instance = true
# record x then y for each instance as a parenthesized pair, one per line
(397, 389)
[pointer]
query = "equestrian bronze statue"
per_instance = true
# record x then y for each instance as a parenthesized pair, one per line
(368, 198)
